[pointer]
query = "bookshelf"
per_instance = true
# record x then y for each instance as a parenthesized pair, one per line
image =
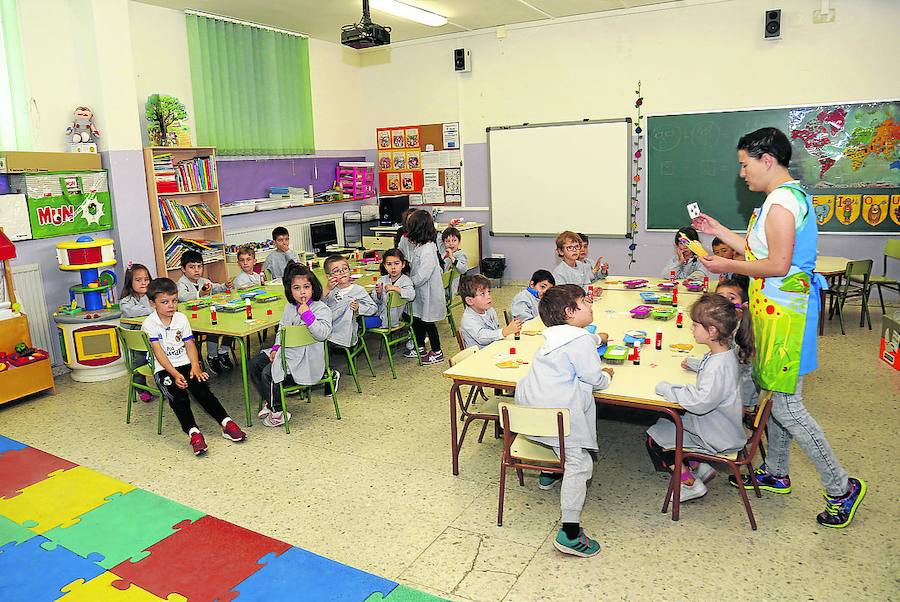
(184, 208)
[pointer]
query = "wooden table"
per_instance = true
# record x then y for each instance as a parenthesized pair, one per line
(234, 324)
(833, 269)
(632, 386)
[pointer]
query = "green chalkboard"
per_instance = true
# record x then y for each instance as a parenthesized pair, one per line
(692, 157)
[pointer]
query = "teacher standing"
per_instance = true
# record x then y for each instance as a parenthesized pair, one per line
(780, 247)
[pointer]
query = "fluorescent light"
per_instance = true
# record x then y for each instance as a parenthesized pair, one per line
(411, 13)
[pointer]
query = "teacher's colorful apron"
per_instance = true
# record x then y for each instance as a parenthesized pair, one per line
(785, 310)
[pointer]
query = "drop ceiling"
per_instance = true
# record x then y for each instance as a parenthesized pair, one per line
(323, 18)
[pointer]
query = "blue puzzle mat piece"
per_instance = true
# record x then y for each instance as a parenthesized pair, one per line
(7, 444)
(301, 575)
(29, 572)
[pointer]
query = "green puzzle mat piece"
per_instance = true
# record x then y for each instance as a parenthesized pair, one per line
(401, 593)
(61, 498)
(14, 532)
(123, 528)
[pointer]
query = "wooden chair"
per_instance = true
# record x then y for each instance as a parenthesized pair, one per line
(892, 250)
(744, 457)
(857, 272)
(486, 411)
(136, 341)
(507, 317)
(396, 334)
(520, 453)
(299, 336)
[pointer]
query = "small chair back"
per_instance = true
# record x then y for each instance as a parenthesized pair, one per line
(759, 423)
(447, 279)
(507, 317)
(462, 355)
(861, 270)
(297, 336)
(459, 341)
(136, 341)
(535, 422)
(394, 300)
(892, 248)
(267, 274)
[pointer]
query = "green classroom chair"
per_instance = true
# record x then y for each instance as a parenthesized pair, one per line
(355, 349)
(136, 341)
(892, 250)
(299, 336)
(857, 272)
(267, 274)
(448, 278)
(396, 334)
(321, 276)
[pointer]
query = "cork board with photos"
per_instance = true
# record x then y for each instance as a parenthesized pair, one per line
(424, 161)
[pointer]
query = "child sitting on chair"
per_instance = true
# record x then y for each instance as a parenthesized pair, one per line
(564, 373)
(684, 263)
(524, 305)
(278, 259)
(712, 421)
(394, 279)
(345, 299)
(305, 365)
(178, 370)
(569, 270)
(454, 257)
(480, 326)
(192, 285)
(593, 270)
(248, 278)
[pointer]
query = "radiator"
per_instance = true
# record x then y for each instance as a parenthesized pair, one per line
(30, 294)
(298, 229)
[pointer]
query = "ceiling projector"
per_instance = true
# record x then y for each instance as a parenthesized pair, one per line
(365, 34)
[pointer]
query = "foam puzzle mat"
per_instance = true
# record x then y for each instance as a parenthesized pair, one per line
(70, 533)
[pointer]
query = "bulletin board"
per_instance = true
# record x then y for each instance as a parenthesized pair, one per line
(424, 161)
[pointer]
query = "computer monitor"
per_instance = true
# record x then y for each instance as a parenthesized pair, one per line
(322, 234)
(391, 208)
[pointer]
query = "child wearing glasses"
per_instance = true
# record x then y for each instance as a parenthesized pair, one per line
(569, 270)
(345, 299)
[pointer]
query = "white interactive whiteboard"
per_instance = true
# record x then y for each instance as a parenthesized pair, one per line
(550, 177)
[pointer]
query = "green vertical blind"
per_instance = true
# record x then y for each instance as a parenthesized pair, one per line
(251, 88)
(14, 130)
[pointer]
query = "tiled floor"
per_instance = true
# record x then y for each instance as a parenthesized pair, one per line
(375, 491)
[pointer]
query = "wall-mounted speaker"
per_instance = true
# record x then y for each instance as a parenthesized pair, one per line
(462, 60)
(773, 24)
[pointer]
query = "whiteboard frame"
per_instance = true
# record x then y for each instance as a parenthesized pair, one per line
(629, 145)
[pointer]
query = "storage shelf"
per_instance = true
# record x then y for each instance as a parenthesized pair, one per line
(182, 192)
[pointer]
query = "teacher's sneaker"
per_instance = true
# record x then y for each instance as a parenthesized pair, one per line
(766, 481)
(582, 546)
(839, 511)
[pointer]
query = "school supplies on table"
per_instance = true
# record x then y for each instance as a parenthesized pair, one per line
(616, 354)
(667, 286)
(694, 285)
(641, 311)
(233, 306)
(266, 298)
(636, 283)
(252, 293)
(663, 313)
(635, 336)
(681, 347)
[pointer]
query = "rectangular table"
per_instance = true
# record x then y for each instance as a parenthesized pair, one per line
(632, 386)
(236, 325)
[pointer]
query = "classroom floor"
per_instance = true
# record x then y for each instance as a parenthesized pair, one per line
(375, 491)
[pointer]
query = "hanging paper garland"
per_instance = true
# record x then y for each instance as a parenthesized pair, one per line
(636, 179)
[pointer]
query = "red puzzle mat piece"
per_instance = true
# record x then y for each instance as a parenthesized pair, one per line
(21, 468)
(203, 561)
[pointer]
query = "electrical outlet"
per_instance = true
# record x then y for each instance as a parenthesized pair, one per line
(820, 17)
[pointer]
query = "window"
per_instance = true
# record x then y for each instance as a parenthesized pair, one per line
(14, 131)
(251, 88)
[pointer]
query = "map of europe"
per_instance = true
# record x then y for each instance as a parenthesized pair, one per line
(847, 146)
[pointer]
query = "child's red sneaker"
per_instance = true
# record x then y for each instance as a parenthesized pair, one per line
(198, 443)
(232, 432)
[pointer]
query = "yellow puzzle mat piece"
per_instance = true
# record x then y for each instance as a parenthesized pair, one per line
(101, 589)
(60, 499)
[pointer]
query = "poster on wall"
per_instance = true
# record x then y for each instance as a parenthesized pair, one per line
(384, 138)
(451, 181)
(412, 137)
(451, 135)
(384, 161)
(398, 138)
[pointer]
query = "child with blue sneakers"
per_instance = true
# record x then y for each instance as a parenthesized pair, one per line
(564, 373)
(524, 305)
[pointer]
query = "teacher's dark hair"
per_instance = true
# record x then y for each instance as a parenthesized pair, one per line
(767, 140)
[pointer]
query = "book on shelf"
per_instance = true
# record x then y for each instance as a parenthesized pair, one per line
(196, 174)
(164, 173)
(210, 250)
(176, 216)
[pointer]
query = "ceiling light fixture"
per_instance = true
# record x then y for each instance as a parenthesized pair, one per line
(411, 13)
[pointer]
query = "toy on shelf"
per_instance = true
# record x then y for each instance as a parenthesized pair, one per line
(87, 334)
(83, 128)
(23, 370)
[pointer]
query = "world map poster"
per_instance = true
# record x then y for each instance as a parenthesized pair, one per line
(847, 146)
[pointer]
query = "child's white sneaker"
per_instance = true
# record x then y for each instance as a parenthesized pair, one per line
(274, 419)
(692, 492)
(265, 411)
(704, 472)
